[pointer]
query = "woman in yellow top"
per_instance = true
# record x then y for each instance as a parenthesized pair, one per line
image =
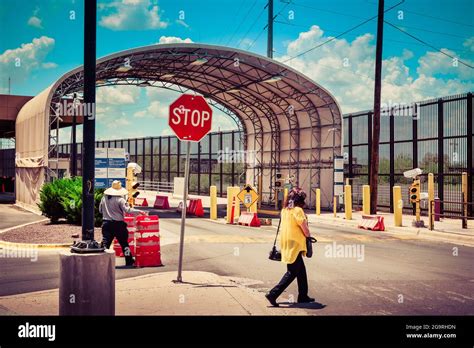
(294, 230)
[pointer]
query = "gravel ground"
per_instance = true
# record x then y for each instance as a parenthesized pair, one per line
(46, 233)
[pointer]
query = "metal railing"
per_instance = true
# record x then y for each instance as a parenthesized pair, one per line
(159, 186)
(464, 217)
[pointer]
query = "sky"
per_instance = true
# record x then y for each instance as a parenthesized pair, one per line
(40, 40)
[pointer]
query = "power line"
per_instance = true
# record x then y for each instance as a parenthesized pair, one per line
(435, 32)
(325, 10)
(330, 39)
(242, 21)
(253, 24)
(458, 49)
(343, 33)
(261, 32)
(438, 18)
(429, 45)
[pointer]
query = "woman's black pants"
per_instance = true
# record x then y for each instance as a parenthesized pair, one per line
(294, 270)
(117, 229)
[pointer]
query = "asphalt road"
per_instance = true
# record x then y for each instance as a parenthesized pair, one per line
(352, 272)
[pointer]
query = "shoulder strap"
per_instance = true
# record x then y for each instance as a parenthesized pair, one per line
(105, 206)
(278, 230)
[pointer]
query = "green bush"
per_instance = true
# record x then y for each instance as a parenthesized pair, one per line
(62, 199)
(51, 195)
(72, 202)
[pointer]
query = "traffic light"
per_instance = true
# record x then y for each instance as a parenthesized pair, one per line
(279, 180)
(415, 191)
(133, 170)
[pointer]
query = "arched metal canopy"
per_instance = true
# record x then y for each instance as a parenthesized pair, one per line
(285, 116)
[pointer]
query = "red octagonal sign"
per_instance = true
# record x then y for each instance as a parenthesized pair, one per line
(190, 117)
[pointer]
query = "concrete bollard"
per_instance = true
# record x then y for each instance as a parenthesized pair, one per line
(397, 206)
(213, 203)
(318, 201)
(87, 283)
(366, 199)
(237, 201)
(348, 202)
(430, 199)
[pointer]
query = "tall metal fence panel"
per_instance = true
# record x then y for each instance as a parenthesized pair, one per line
(434, 135)
(163, 158)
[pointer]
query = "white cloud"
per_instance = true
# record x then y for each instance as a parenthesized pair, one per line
(131, 15)
(346, 69)
(19, 62)
(35, 22)
(469, 44)
(49, 65)
(173, 39)
(118, 95)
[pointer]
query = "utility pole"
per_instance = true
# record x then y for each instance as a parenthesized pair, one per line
(88, 244)
(374, 158)
(74, 144)
(270, 30)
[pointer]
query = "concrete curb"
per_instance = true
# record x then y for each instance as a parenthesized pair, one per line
(22, 225)
(440, 236)
(5, 244)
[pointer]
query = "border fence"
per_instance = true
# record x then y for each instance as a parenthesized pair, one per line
(162, 159)
(435, 135)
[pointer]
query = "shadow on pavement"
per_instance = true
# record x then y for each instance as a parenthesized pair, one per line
(312, 305)
(198, 285)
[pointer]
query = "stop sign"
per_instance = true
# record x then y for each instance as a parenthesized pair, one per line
(190, 117)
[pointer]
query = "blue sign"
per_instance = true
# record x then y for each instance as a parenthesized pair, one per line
(117, 163)
(101, 163)
(101, 183)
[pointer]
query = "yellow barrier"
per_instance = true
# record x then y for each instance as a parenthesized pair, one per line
(334, 206)
(366, 199)
(318, 202)
(430, 199)
(237, 202)
(348, 202)
(397, 205)
(213, 203)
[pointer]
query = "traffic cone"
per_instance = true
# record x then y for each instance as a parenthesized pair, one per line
(232, 211)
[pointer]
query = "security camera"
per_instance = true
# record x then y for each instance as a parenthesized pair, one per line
(136, 168)
(412, 173)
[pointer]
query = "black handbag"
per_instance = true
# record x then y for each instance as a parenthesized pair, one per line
(309, 246)
(275, 255)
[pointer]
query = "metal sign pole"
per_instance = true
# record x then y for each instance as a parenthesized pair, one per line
(183, 211)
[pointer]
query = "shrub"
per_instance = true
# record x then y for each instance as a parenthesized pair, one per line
(62, 199)
(51, 195)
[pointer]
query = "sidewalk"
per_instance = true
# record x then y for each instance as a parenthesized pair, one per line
(202, 293)
(448, 230)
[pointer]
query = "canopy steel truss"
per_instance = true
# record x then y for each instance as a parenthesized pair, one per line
(265, 98)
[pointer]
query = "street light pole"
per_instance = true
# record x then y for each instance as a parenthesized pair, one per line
(88, 244)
